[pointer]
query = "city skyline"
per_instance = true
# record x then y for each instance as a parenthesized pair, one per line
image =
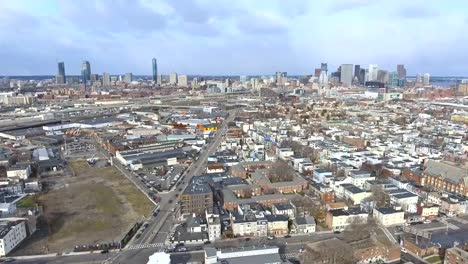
(296, 37)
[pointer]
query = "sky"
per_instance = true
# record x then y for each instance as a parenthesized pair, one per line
(232, 37)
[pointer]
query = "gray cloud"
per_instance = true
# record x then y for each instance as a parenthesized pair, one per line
(120, 16)
(260, 24)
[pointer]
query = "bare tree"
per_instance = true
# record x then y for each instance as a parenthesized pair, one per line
(280, 171)
(333, 251)
(359, 229)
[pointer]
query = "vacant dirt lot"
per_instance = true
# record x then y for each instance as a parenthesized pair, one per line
(96, 205)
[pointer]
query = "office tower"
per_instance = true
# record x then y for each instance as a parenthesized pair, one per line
(194, 83)
(243, 79)
(114, 79)
(401, 71)
(373, 71)
(94, 77)
(418, 78)
(323, 79)
(182, 81)
(324, 67)
(106, 80)
(85, 71)
(393, 79)
(128, 77)
(281, 78)
(159, 79)
(362, 76)
(426, 79)
(228, 82)
(61, 78)
(173, 78)
(357, 71)
(317, 72)
(381, 76)
(346, 74)
(155, 70)
(255, 84)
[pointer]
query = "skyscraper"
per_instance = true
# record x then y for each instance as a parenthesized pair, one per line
(357, 72)
(362, 76)
(173, 78)
(418, 78)
(243, 79)
(61, 78)
(373, 71)
(159, 79)
(324, 67)
(317, 72)
(426, 79)
(106, 80)
(281, 78)
(128, 77)
(182, 81)
(346, 74)
(401, 72)
(155, 70)
(85, 71)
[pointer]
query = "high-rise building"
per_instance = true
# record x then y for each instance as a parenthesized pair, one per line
(243, 79)
(128, 78)
(159, 79)
(281, 78)
(155, 70)
(426, 79)
(373, 71)
(85, 72)
(382, 76)
(357, 72)
(401, 71)
(393, 79)
(324, 67)
(106, 80)
(194, 83)
(182, 81)
(317, 72)
(61, 78)
(94, 77)
(362, 76)
(418, 78)
(323, 79)
(346, 74)
(173, 78)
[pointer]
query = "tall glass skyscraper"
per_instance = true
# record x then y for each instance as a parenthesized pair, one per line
(155, 70)
(85, 71)
(61, 78)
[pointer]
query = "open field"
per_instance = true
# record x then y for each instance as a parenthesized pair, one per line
(96, 205)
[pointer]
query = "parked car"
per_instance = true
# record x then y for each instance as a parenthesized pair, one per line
(287, 236)
(271, 237)
(105, 251)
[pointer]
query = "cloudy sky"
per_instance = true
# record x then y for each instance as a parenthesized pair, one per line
(238, 37)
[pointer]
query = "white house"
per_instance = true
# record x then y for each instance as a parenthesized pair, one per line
(11, 234)
(20, 171)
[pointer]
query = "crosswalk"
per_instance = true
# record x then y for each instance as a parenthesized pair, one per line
(289, 255)
(142, 246)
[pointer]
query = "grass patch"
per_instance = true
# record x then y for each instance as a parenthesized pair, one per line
(433, 259)
(139, 202)
(79, 166)
(28, 201)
